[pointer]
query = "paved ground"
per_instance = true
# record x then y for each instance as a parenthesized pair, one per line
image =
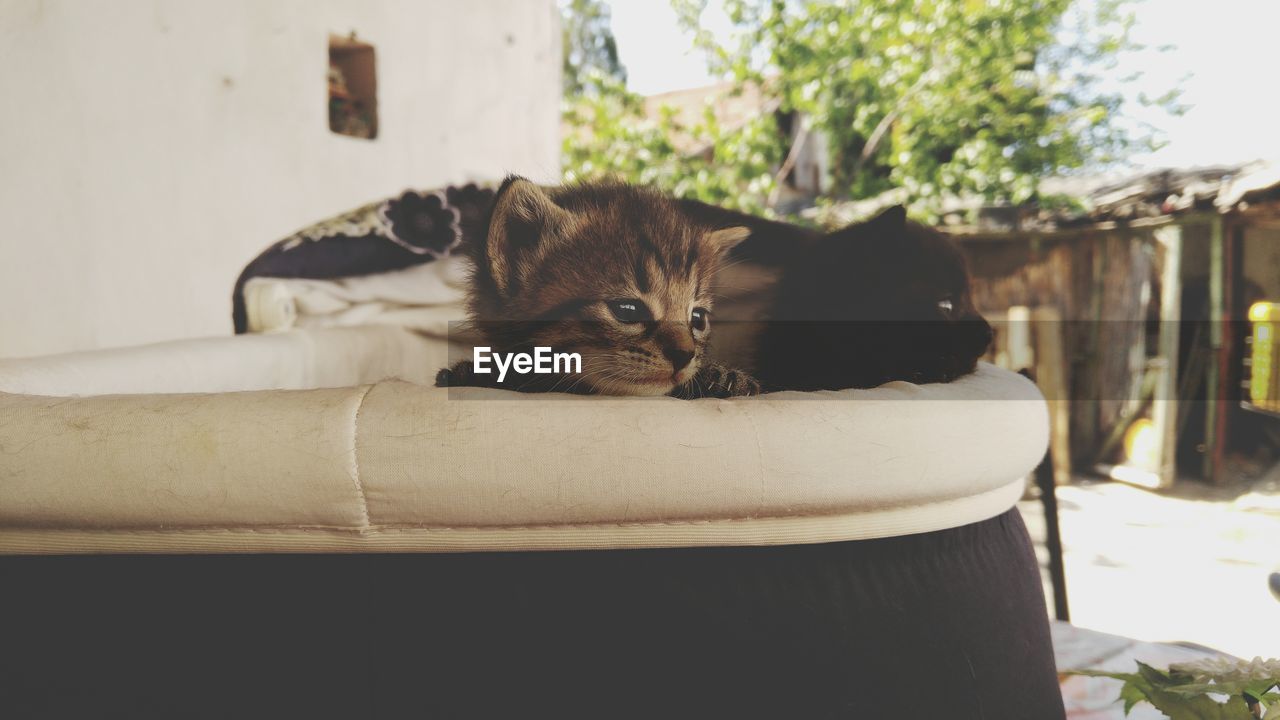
(1189, 564)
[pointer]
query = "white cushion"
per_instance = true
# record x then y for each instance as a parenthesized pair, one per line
(395, 466)
(298, 359)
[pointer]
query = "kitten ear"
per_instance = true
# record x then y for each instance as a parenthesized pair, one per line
(892, 218)
(888, 224)
(524, 219)
(724, 239)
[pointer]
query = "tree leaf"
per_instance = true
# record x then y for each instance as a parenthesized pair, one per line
(1158, 689)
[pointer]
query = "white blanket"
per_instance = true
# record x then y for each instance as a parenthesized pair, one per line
(425, 298)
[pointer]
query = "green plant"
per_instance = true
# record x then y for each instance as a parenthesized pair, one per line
(1184, 692)
(589, 49)
(942, 97)
(608, 135)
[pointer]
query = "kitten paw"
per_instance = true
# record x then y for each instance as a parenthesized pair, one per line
(718, 381)
(741, 384)
(459, 375)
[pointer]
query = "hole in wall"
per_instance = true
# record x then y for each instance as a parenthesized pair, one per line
(353, 87)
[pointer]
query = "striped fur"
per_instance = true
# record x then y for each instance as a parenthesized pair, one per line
(554, 260)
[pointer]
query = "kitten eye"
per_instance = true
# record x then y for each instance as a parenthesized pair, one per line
(945, 305)
(628, 311)
(699, 319)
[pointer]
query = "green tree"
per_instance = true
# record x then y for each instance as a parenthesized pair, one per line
(590, 51)
(608, 135)
(940, 97)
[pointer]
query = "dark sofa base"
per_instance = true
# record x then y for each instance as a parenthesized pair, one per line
(944, 624)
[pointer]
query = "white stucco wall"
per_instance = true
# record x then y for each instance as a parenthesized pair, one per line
(150, 148)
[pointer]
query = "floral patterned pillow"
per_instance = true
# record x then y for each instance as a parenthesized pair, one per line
(412, 228)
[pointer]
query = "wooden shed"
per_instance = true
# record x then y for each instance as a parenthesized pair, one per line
(1134, 317)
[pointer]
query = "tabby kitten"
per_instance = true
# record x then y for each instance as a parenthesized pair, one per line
(614, 273)
(877, 301)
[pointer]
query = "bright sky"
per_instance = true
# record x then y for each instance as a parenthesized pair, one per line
(1227, 50)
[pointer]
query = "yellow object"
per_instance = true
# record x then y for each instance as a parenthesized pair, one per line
(1264, 370)
(1141, 447)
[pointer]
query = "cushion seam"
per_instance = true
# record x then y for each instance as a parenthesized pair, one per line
(408, 527)
(365, 522)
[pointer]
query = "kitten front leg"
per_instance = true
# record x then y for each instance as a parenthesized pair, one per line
(717, 381)
(462, 375)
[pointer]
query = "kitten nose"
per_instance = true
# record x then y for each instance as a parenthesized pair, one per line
(679, 357)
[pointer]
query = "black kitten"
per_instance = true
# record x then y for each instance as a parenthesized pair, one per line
(882, 300)
(878, 301)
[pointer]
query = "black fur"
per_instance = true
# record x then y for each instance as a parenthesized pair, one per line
(859, 307)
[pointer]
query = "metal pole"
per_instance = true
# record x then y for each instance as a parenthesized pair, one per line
(1164, 409)
(1216, 367)
(1053, 537)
